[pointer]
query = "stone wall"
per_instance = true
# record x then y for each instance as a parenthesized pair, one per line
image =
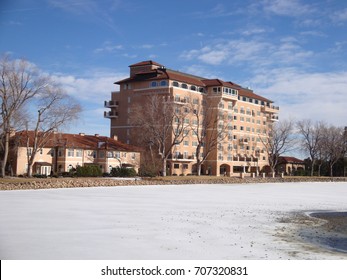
(23, 184)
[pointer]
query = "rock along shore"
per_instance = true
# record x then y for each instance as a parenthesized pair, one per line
(25, 184)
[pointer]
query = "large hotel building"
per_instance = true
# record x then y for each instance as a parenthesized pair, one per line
(246, 118)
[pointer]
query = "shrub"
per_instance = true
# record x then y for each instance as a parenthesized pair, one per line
(88, 171)
(39, 176)
(147, 170)
(123, 172)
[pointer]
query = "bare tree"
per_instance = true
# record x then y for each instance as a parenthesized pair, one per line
(312, 136)
(278, 141)
(19, 83)
(333, 145)
(161, 124)
(54, 110)
(210, 128)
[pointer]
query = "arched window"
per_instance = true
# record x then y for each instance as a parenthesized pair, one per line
(184, 86)
(193, 88)
(163, 83)
(153, 84)
(175, 84)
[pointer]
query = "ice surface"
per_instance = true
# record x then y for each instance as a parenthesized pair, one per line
(227, 221)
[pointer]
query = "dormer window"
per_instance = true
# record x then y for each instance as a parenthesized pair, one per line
(175, 84)
(184, 86)
(193, 88)
(153, 84)
(163, 83)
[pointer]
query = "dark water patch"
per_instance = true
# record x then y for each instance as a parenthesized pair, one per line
(332, 234)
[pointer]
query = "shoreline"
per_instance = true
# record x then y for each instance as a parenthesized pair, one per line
(325, 230)
(52, 183)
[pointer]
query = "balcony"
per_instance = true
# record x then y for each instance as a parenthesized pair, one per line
(111, 104)
(228, 96)
(274, 118)
(111, 114)
(181, 157)
(270, 109)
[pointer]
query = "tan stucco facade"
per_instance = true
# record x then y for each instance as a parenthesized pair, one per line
(246, 114)
(58, 159)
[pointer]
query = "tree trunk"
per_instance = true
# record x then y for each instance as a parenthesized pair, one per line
(30, 169)
(198, 167)
(5, 155)
(319, 168)
(312, 167)
(164, 166)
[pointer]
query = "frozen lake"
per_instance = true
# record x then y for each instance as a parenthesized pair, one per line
(164, 222)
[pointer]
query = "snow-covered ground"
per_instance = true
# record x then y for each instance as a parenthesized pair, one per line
(163, 222)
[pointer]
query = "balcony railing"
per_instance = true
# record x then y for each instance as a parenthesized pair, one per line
(270, 108)
(111, 114)
(111, 104)
(230, 96)
(182, 157)
(274, 118)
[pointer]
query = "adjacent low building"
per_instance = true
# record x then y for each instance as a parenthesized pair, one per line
(63, 152)
(290, 165)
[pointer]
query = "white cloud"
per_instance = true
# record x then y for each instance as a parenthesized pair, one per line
(319, 96)
(255, 53)
(146, 46)
(340, 16)
(201, 71)
(94, 88)
(214, 57)
(291, 8)
(253, 31)
(109, 47)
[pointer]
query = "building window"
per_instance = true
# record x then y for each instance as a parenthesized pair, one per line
(79, 153)
(52, 152)
(185, 166)
(117, 155)
(92, 154)
(133, 156)
(70, 152)
(110, 154)
(184, 86)
(175, 84)
(153, 84)
(60, 152)
(193, 88)
(101, 154)
(176, 166)
(163, 83)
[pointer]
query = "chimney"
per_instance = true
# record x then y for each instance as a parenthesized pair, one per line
(115, 137)
(82, 134)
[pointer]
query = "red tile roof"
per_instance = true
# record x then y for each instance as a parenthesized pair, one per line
(285, 159)
(76, 141)
(250, 94)
(144, 63)
(163, 73)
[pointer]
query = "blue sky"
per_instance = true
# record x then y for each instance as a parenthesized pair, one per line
(291, 51)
